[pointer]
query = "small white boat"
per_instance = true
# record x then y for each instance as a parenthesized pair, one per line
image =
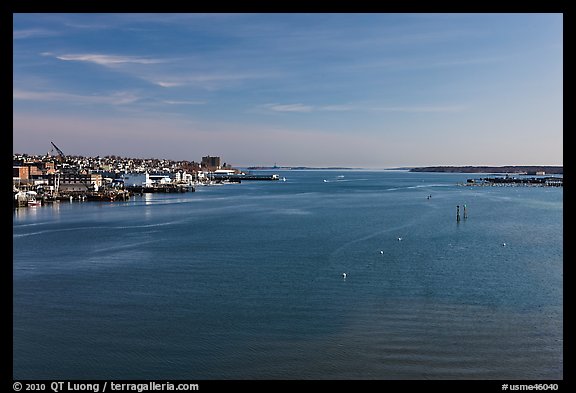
(31, 197)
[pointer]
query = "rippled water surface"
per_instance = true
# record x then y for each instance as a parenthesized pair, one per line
(244, 281)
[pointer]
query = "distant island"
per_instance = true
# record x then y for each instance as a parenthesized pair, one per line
(512, 169)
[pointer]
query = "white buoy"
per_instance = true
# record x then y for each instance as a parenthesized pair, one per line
(503, 244)
(343, 275)
(399, 239)
(381, 252)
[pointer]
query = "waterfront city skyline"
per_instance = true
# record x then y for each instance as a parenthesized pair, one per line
(358, 90)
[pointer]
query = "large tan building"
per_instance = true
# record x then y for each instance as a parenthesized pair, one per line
(75, 182)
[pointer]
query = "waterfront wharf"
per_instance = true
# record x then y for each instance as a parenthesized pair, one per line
(160, 188)
(548, 181)
(238, 178)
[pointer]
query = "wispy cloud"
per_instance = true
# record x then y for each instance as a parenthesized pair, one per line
(168, 84)
(118, 98)
(208, 80)
(419, 63)
(288, 107)
(338, 108)
(183, 102)
(360, 108)
(32, 33)
(105, 60)
(303, 108)
(419, 109)
(172, 72)
(468, 61)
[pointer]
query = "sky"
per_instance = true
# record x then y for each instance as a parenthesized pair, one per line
(357, 90)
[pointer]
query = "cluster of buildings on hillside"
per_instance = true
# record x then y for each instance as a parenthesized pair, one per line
(47, 178)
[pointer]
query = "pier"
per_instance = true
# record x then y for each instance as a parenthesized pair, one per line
(549, 181)
(160, 188)
(239, 177)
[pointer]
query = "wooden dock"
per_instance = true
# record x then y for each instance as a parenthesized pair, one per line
(548, 181)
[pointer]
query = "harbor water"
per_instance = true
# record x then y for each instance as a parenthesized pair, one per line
(245, 281)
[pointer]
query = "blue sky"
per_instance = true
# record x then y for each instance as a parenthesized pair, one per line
(360, 90)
